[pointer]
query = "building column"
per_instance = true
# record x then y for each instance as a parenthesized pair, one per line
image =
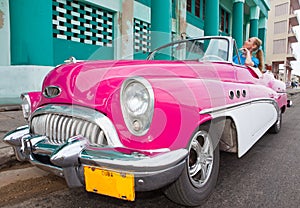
(161, 22)
(254, 17)
(237, 22)
(126, 30)
(275, 70)
(262, 31)
(288, 71)
(181, 18)
(289, 75)
(211, 23)
(4, 33)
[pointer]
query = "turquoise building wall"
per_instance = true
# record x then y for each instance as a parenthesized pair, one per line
(33, 41)
(34, 38)
(31, 32)
(4, 33)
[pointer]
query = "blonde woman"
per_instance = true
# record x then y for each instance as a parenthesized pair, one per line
(251, 46)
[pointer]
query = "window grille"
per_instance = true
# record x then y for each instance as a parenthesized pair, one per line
(142, 40)
(224, 21)
(79, 22)
(196, 8)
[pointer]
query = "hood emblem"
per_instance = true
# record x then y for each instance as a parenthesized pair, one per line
(51, 92)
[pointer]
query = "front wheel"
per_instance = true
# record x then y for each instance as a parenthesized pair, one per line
(199, 178)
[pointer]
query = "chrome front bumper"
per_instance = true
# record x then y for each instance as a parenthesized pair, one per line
(68, 159)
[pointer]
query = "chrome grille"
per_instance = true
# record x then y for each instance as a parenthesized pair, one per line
(58, 128)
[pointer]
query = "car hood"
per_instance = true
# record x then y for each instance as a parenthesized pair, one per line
(92, 83)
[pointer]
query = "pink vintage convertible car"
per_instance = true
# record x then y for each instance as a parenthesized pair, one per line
(119, 127)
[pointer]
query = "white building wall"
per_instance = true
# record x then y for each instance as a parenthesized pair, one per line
(4, 33)
(24, 78)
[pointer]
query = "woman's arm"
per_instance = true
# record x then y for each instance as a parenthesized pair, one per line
(248, 61)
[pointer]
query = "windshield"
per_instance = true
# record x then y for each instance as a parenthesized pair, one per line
(201, 49)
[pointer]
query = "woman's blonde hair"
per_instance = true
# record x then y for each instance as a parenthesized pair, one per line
(259, 53)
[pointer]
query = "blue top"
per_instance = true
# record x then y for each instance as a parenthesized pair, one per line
(243, 58)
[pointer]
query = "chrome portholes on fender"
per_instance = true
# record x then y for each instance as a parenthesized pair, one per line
(237, 93)
(199, 178)
(244, 93)
(231, 94)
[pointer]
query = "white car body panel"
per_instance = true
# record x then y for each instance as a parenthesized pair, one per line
(262, 113)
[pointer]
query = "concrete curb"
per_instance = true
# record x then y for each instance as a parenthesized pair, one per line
(10, 107)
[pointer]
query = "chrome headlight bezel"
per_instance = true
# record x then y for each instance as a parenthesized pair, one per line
(26, 105)
(137, 105)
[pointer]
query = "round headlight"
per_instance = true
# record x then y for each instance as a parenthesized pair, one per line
(136, 98)
(137, 103)
(26, 106)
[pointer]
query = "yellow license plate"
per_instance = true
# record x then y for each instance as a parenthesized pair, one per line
(110, 183)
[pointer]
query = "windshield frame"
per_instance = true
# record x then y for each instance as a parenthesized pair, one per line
(230, 43)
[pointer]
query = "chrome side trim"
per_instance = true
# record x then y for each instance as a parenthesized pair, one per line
(88, 114)
(238, 105)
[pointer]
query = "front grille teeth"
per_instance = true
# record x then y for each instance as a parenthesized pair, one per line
(58, 128)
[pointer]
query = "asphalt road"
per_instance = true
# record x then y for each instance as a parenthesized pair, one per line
(267, 176)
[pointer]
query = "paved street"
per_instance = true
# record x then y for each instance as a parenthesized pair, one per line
(9, 119)
(267, 176)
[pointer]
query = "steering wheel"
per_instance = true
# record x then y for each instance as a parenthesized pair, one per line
(211, 58)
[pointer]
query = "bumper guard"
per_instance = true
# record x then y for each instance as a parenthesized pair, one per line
(67, 160)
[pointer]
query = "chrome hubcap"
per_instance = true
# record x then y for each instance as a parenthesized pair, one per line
(200, 158)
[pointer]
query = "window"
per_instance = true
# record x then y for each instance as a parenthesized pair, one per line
(279, 46)
(281, 9)
(224, 21)
(196, 8)
(203, 9)
(141, 36)
(189, 5)
(81, 22)
(280, 27)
